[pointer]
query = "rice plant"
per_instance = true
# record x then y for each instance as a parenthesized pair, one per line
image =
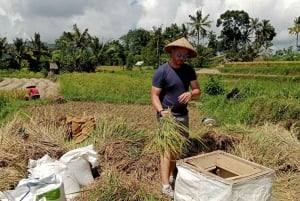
(168, 137)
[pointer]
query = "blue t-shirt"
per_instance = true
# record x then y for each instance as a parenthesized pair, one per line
(173, 83)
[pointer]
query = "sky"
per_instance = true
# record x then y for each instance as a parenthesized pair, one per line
(111, 19)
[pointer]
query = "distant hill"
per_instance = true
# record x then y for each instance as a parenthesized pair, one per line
(50, 45)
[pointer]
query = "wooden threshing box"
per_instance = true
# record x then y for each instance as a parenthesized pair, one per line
(222, 176)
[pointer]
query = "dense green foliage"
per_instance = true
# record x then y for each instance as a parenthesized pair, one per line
(242, 37)
(32, 54)
(213, 87)
(3, 106)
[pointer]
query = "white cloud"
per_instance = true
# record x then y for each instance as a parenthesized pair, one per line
(112, 19)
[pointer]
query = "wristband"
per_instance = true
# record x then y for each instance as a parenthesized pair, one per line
(160, 112)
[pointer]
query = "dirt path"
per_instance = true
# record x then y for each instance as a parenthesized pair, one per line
(46, 87)
(208, 71)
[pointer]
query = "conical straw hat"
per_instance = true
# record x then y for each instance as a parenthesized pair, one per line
(184, 43)
(30, 86)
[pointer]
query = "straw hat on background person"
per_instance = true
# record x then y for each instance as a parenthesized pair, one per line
(184, 43)
(30, 85)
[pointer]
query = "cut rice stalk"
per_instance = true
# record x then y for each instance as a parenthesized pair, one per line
(168, 138)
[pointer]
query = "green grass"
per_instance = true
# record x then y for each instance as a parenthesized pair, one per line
(129, 87)
(13, 101)
(258, 101)
(263, 68)
(24, 73)
(133, 87)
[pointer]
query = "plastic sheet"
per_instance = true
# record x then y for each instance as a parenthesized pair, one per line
(49, 188)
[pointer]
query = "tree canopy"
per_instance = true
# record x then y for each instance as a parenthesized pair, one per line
(241, 38)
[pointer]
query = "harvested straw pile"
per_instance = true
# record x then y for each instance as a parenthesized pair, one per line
(18, 145)
(128, 172)
(276, 148)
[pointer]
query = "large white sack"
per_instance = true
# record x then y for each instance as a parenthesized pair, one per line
(47, 166)
(49, 188)
(191, 185)
(79, 162)
(256, 189)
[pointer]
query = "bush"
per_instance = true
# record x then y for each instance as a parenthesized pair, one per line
(3, 101)
(3, 105)
(213, 87)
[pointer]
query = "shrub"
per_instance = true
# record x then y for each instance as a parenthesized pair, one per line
(3, 105)
(3, 101)
(213, 87)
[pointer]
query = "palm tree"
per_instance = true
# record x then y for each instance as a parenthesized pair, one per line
(254, 25)
(98, 49)
(4, 53)
(265, 33)
(3, 46)
(82, 40)
(296, 30)
(184, 30)
(20, 51)
(159, 43)
(36, 53)
(199, 25)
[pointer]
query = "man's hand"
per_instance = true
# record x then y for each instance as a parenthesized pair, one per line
(185, 97)
(165, 113)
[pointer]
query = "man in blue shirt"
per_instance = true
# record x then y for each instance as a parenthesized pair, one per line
(174, 84)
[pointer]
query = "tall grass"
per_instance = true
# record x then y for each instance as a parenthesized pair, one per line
(12, 101)
(258, 101)
(24, 73)
(132, 87)
(263, 68)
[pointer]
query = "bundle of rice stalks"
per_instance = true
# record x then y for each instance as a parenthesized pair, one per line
(169, 138)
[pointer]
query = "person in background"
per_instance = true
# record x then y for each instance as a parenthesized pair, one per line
(174, 84)
(33, 92)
